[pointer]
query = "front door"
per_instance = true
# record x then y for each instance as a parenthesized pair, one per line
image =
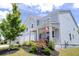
(47, 36)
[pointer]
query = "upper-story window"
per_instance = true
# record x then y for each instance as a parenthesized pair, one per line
(32, 26)
(37, 22)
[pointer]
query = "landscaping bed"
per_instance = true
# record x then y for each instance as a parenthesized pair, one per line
(40, 48)
(20, 52)
(41, 53)
(8, 50)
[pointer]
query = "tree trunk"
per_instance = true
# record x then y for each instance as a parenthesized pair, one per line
(9, 46)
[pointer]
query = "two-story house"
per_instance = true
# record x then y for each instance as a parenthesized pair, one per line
(58, 25)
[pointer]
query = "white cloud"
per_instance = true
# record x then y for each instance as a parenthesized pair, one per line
(76, 5)
(44, 5)
(3, 14)
(47, 5)
(6, 5)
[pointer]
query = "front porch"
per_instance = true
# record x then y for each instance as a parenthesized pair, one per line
(46, 33)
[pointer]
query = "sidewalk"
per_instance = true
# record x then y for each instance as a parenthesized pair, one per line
(4, 46)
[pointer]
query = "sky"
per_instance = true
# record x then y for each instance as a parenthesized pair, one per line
(39, 7)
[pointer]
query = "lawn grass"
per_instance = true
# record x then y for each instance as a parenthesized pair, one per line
(21, 52)
(69, 52)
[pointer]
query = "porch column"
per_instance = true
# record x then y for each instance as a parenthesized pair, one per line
(50, 33)
(29, 36)
(37, 34)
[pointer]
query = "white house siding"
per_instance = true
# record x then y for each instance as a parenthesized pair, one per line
(57, 35)
(33, 36)
(26, 37)
(61, 21)
(23, 38)
(67, 25)
(32, 20)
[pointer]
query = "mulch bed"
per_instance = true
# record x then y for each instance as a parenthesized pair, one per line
(7, 51)
(40, 53)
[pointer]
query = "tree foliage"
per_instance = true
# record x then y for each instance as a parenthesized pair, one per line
(11, 27)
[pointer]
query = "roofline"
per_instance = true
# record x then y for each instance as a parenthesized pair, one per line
(74, 19)
(70, 14)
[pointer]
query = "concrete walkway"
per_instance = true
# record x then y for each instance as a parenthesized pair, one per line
(4, 46)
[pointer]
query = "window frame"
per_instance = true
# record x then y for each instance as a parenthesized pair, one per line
(70, 36)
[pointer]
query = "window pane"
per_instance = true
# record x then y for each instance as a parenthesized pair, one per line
(52, 33)
(32, 25)
(70, 36)
(37, 22)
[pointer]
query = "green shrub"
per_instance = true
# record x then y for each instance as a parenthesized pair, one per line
(1, 49)
(32, 43)
(14, 46)
(5, 42)
(24, 43)
(32, 49)
(27, 42)
(46, 51)
(51, 45)
(1, 42)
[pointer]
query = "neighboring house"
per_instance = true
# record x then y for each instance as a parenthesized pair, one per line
(59, 26)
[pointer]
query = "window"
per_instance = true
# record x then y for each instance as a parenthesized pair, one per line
(53, 34)
(32, 25)
(39, 36)
(27, 29)
(47, 33)
(73, 36)
(78, 31)
(70, 36)
(37, 22)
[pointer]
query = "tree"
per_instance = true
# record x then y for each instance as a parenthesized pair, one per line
(11, 26)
